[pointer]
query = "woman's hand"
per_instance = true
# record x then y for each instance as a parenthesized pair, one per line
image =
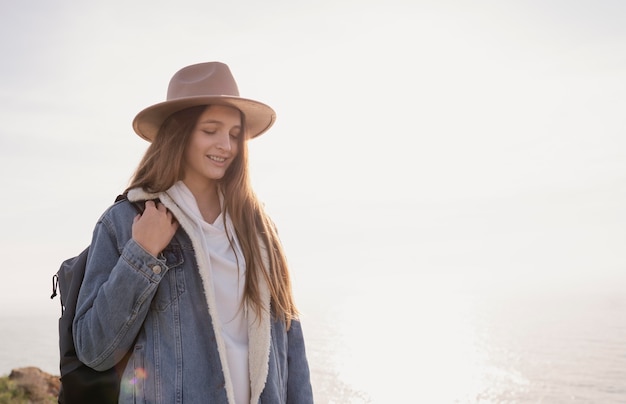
(155, 228)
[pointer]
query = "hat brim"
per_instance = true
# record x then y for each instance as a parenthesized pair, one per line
(259, 117)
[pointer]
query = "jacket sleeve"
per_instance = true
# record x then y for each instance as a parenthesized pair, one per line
(299, 389)
(115, 295)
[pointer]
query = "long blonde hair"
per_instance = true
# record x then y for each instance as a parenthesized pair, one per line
(162, 165)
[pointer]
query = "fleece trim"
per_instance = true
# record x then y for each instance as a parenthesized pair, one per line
(259, 327)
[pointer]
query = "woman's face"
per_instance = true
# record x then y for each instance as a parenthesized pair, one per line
(213, 144)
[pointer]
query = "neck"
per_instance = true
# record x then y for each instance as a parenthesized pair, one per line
(207, 198)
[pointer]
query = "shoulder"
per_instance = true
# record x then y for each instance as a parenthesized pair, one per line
(127, 205)
(116, 215)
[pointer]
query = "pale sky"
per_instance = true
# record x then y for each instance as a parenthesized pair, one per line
(481, 141)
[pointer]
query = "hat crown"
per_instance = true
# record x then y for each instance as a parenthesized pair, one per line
(202, 80)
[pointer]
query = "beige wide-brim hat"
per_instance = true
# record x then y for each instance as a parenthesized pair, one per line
(209, 83)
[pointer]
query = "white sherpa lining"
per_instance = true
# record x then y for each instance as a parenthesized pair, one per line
(259, 329)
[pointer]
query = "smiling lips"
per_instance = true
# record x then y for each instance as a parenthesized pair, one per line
(217, 159)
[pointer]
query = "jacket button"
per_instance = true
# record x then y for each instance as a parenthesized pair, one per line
(156, 269)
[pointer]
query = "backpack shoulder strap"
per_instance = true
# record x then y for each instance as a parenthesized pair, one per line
(138, 205)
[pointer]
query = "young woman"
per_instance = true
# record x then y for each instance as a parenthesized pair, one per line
(196, 287)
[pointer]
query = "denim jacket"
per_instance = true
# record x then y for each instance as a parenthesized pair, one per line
(156, 308)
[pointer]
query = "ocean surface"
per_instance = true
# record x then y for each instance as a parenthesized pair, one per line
(430, 346)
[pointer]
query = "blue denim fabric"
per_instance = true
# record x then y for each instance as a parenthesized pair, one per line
(156, 307)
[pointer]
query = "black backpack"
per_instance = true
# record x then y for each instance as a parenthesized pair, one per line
(80, 383)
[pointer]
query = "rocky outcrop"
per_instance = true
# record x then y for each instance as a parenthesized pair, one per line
(35, 385)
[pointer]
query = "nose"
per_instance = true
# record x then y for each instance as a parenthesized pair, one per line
(224, 142)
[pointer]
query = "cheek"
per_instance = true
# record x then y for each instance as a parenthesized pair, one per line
(195, 146)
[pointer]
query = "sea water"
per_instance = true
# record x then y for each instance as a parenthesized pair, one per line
(429, 345)
(462, 346)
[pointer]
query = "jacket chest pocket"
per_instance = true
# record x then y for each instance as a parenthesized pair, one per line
(173, 283)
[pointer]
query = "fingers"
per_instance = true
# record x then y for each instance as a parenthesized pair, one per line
(159, 207)
(172, 218)
(150, 204)
(155, 228)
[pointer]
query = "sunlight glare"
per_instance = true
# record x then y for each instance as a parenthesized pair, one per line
(427, 344)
